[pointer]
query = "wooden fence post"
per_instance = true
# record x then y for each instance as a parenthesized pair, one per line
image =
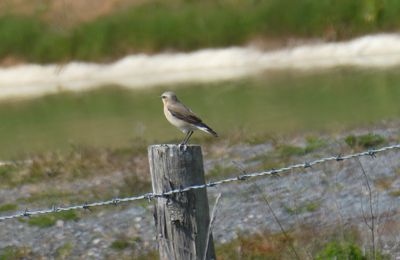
(182, 219)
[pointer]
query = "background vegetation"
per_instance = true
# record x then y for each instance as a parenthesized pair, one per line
(186, 25)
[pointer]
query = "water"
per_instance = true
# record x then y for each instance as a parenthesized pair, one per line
(209, 65)
(250, 109)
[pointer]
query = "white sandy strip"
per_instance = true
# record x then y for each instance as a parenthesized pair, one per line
(138, 71)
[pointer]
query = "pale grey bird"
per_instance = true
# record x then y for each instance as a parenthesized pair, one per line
(182, 117)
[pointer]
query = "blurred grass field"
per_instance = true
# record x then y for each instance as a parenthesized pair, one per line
(180, 25)
(247, 110)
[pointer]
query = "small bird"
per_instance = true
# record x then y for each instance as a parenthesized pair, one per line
(182, 117)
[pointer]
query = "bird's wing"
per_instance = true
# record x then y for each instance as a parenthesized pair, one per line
(183, 113)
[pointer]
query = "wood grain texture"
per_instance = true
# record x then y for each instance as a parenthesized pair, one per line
(181, 219)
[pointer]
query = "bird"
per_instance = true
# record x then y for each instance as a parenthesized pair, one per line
(182, 117)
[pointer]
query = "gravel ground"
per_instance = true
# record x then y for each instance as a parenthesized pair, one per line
(329, 195)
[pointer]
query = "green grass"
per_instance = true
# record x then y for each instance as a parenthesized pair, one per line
(13, 252)
(187, 25)
(279, 105)
(64, 251)
(8, 207)
(49, 220)
(135, 247)
(365, 141)
(42, 221)
(312, 144)
(347, 250)
(395, 193)
(287, 151)
(335, 250)
(310, 206)
(7, 174)
(222, 171)
(120, 244)
(308, 242)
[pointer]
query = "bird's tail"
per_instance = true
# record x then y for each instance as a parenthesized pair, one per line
(207, 129)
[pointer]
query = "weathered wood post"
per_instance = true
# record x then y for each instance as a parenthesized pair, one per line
(182, 219)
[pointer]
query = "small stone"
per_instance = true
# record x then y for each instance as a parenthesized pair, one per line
(96, 241)
(60, 223)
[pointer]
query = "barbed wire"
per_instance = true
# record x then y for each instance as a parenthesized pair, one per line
(244, 176)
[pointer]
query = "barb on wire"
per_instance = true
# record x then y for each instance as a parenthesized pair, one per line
(242, 177)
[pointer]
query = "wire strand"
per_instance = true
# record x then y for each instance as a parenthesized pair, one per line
(372, 153)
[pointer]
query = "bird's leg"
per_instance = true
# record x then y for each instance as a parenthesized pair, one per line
(185, 139)
(188, 137)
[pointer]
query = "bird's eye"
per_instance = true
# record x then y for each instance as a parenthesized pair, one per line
(163, 97)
